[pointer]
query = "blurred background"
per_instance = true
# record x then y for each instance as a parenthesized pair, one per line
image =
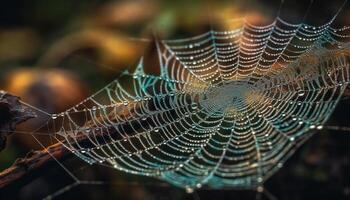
(53, 54)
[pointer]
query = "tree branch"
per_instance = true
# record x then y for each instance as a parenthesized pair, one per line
(12, 112)
(33, 161)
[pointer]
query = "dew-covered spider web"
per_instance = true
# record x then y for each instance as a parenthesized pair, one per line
(228, 108)
(226, 111)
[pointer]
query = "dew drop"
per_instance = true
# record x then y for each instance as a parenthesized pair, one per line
(260, 189)
(320, 127)
(194, 106)
(189, 190)
(301, 93)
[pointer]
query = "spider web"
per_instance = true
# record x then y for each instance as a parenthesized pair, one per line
(227, 110)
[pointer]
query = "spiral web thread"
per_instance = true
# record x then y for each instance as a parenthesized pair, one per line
(227, 110)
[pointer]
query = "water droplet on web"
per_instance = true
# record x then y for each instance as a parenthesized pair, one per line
(319, 127)
(260, 189)
(194, 106)
(189, 190)
(301, 93)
